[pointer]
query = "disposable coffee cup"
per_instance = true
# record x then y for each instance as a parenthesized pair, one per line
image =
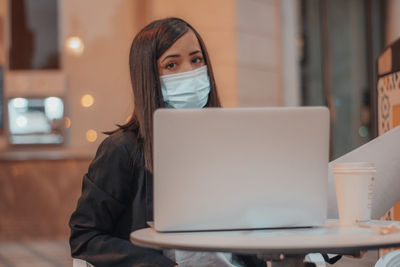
(354, 182)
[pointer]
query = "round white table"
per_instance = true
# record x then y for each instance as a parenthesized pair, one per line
(295, 242)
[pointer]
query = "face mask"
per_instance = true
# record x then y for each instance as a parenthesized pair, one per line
(186, 89)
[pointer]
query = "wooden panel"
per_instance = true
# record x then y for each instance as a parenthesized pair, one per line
(38, 197)
(396, 211)
(396, 114)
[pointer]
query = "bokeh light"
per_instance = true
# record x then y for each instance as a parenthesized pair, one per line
(87, 100)
(20, 102)
(21, 121)
(67, 122)
(74, 46)
(91, 135)
(363, 131)
(54, 108)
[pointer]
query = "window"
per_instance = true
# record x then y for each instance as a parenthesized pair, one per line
(33, 40)
(342, 40)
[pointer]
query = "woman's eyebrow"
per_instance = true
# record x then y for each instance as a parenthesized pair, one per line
(173, 55)
(194, 52)
(177, 55)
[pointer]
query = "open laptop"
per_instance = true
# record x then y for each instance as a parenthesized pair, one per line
(240, 168)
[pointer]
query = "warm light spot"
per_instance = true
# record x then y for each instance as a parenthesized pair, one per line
(128, 118)
(91, 135)
(87, 100)
(67, 122)
(74, 46)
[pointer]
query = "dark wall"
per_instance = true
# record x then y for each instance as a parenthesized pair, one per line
(34, 35)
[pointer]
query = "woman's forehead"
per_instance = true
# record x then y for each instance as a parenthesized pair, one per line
(187, 43)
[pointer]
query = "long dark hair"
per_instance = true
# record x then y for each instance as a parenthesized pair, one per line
(147, 47)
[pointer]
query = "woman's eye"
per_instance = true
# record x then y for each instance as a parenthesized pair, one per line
(170, 66)
(197, 60)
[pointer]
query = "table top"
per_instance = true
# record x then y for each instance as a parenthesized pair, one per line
(330, 238)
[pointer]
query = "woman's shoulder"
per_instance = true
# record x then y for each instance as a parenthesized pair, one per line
(112, 169)
(121, 145)
(117, 153)
(120, 139)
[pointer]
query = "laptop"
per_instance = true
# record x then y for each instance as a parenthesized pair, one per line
(240, 168)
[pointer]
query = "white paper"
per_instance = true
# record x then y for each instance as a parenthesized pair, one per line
(384, 152)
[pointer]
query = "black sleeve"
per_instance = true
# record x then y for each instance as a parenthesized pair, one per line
(105, 190)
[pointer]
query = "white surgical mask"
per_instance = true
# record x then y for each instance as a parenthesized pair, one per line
(186, 89)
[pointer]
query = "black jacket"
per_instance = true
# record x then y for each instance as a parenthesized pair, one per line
(116, 200)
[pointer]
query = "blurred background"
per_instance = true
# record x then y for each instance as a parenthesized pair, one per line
(64, 79)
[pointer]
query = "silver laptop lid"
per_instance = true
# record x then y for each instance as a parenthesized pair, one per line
(240, 168)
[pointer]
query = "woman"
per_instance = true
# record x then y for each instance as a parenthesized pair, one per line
(169, 67)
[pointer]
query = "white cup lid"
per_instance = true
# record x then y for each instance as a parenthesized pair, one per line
(354, 166)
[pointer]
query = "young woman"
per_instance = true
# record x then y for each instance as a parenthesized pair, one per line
(169, 67)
